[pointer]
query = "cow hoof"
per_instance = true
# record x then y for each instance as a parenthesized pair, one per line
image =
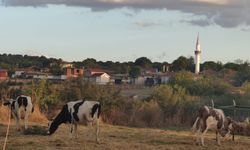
(98, 141)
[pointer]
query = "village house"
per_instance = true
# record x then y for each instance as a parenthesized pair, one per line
(74, 72)
(120, 79)
(3, 74)
(66, 65)
(97, 76)
(152, 77)
(31, 73)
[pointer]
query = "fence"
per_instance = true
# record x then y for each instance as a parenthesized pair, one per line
(238, 112)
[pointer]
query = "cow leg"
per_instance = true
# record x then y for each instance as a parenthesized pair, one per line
(89, 128)
(71, 129)
(198, 136)
(75, 129)
(26, 120)
(218, 138)
(18, 117)
(202, 136)
(233, 135)
(97, 130)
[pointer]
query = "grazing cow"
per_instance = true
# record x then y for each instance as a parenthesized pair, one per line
(77, 112)
(210, 118)
(236, 127)
(21, 102)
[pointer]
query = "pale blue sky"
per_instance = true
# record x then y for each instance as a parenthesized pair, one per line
(106, 32)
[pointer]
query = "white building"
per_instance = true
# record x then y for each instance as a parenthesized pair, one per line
(197, 55)
(99, 78)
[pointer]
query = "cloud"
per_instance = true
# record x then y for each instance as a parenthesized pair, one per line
(199, 22)
(225, 13)
(144, 24)
(246, 29)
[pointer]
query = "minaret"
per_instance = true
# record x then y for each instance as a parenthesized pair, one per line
(197, 56)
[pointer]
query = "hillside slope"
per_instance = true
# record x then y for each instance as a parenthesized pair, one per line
(117, 137)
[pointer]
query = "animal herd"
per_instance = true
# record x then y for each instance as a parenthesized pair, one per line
(88, 113)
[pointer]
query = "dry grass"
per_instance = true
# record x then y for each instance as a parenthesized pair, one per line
(117, 137)
(36, 116)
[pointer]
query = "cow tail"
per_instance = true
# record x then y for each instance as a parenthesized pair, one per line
(99, 111)
(32, 110)
(96, 109)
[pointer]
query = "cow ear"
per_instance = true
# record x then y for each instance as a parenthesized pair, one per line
(6, 103)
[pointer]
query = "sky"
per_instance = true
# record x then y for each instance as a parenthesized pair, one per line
(123, 30)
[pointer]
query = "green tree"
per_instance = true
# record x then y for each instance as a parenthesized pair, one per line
(243, 75)
(90, 63)
(232, 66)
(135, 71)
(143, 62)
(182, 78)
(168, 97)
(211, 65)
(183, 63)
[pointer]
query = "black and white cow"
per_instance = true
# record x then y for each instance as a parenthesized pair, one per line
(77, 112)
(210, 118)
(16, 106)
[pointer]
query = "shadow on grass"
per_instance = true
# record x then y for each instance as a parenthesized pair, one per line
(178, 129)
(159, 142)
(36, 130)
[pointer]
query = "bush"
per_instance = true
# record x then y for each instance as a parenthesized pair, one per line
(176, 104)
(201, 86)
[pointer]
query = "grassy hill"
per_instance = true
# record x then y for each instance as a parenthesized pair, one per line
(117, 137)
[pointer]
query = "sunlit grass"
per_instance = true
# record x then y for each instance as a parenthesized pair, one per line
(115, 137)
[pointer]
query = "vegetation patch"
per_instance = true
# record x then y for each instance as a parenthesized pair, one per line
(159, 142)
(178, 129)
(35, 130)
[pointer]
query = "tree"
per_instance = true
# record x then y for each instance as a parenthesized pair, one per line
(183, 63)
(232, 66)
(90, 63)
(135, 71)
(143, 62)
(168, 97)
(211, 65)
(3, 91)
(242, 75)
(56, 70)
(182, 78)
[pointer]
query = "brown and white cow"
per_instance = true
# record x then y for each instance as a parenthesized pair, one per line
(16, 106)
(210, 118)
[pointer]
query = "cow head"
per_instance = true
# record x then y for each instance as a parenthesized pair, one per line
(49, 126)
(228, 127)
(10, 103)
(6, 103)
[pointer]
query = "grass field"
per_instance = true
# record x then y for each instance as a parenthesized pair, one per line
(117, 137)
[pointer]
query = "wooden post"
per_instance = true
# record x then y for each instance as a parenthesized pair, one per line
(212, 102)
(234, 108)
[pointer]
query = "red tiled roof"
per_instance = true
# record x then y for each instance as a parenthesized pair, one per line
(97, 74)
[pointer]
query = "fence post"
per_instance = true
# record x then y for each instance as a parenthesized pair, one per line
(234, 108)
(212, 102)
